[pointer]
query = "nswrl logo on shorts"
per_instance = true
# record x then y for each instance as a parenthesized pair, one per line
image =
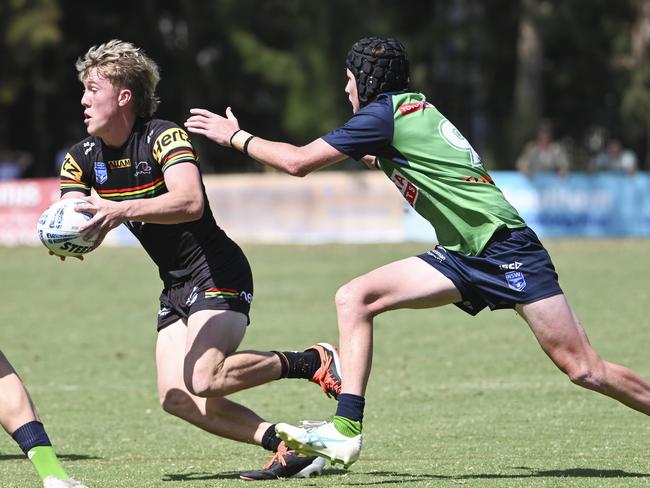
(516, 280)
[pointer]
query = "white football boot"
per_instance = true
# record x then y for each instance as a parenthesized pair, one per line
(321, 439)
(53, 482)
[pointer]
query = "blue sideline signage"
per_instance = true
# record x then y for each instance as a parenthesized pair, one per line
(579, 205)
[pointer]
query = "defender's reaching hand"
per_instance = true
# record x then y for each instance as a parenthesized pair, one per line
(215, 127)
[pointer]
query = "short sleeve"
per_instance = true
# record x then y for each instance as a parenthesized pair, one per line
(369, 131)
(73, 176)
(173, 146)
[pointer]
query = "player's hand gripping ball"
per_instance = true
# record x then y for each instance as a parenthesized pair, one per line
(58, 228)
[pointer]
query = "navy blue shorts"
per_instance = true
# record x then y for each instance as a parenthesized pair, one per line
(514, 268)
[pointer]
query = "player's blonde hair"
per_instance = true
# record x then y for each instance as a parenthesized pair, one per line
(126, 66)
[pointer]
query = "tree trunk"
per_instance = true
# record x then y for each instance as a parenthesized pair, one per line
(527, 105)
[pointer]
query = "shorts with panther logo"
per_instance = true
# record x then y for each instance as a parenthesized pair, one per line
(228, 288)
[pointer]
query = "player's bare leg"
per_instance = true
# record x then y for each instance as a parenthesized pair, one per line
(216, 415)
(564, 340)
(19, 418)
(212, 367)
(220, 416)
(16, 407)
(409, 283)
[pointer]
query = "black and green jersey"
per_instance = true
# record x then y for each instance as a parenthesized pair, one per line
(433, 166)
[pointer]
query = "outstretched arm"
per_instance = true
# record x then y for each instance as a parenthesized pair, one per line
(183, 202)
(294, 160)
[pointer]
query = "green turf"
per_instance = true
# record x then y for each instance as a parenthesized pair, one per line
(453, 400)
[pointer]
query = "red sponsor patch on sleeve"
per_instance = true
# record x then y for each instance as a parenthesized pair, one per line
(409, 108)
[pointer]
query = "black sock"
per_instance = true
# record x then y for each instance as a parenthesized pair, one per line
(302, 364)
(270, 440)
(284, 364)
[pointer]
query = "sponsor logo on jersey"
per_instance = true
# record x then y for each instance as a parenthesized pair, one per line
(173, 138)
(516, 280)
(101, 172)
(409, 190)
(142, 168)
(515, 265)
(119, 163)
(409, 108)
(70, 169)
(456, 140)
(88, 146)
(482, 179)
(164, 311)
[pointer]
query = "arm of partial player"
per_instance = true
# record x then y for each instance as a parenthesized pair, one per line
(294, 160)
(183, 202)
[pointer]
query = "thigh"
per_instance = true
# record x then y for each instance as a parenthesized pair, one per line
(557, 330)
(212, 335)
(408, 283)
(170, 356)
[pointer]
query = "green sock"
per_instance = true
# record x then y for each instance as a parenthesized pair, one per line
(347, 427)
(46, 463)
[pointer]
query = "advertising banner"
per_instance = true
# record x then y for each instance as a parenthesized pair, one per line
(322, 207)
(366, 207)
(21, 204)
(581, 205)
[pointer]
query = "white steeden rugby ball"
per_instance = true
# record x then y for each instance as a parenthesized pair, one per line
(58, 228)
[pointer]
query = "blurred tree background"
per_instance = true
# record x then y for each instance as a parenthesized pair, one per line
(495, 68)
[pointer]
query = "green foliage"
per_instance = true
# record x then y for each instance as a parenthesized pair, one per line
(279, 64)
(305, 74)
(28, 29)
(33, 27)
(453, 399)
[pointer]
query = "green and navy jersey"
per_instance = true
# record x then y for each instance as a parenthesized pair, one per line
(433, 166)
(136, 170)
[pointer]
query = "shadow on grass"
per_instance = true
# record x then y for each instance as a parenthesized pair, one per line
(62, 457)
(398, 478)
(530, 473)
(234, 475)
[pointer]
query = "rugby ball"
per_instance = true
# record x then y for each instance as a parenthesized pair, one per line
(58, 228)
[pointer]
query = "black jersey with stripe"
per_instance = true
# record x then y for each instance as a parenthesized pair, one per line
(136, 170)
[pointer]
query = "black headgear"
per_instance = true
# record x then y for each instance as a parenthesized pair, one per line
(379, 65)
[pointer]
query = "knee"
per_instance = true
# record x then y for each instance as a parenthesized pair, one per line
(351, 300)
(176, 401)
(590, 376)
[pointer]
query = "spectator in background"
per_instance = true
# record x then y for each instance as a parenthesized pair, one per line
(13, 164)
(615, 158)
(543, 154)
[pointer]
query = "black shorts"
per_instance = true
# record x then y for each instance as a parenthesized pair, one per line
(230, 287)
(514, 268)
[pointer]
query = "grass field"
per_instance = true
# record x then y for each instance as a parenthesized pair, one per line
(453, 400)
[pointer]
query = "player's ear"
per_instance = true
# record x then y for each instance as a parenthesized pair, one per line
(124, 97)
